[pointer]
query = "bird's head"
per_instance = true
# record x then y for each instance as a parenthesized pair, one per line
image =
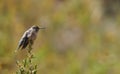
(37, 28)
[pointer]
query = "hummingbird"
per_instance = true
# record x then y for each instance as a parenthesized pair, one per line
(28, 37)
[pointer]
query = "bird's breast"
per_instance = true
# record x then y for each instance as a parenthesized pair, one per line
(33, 36)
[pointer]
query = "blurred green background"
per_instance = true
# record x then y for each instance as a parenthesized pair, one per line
(81, 36)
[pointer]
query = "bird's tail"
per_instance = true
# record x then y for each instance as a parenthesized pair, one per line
(18, 47)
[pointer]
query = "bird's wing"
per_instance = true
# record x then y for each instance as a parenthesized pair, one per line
(23, 42)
